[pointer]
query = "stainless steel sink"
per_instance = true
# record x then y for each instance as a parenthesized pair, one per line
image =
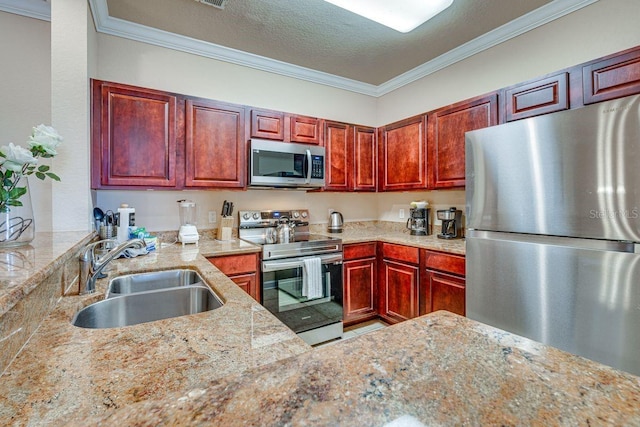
(141, 307)
(156, 280)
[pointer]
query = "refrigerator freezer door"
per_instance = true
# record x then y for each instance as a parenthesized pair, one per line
(563, 293)
(572, 173)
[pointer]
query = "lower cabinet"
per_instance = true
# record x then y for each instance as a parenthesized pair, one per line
(360, 284)
(444, 284)
(398, 281)
(242, 270)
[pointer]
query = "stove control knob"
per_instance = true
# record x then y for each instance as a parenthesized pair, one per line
(304, 214)
(296, 214)
(256, 215)
(246, 216)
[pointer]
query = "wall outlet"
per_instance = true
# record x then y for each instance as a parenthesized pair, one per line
(401, 213)
(212, 217)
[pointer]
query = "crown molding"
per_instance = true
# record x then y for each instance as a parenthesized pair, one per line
(41, 9)
(38, 9)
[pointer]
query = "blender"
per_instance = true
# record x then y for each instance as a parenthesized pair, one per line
(188, 232)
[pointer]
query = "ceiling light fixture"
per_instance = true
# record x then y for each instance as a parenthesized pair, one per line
(401, 15)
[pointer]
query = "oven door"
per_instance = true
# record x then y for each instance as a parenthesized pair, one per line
(283, 292)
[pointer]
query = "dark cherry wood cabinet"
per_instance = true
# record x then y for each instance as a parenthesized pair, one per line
(543, 96)
(398, 283)
(402, 155)
(133, 136)
(364, 159)
(215, 145)
(351, 157)
(443, 287)
(279, 126)
(242, 270)
(612, 77)
(360, 283)
(446, 129)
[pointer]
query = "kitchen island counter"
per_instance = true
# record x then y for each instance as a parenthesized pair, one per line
(439, 369)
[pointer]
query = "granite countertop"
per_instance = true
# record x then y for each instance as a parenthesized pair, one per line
(439, 369)
(65, 372)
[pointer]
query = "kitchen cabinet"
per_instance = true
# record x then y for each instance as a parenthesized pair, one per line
(243, 270)
(542, 96)
(403, 155)
(351, 154)
(398, 283)
(359, 281)
(279, 126)
(215, 144)
(612, 77)
(444, 284)
(446, 129)
(134, 135)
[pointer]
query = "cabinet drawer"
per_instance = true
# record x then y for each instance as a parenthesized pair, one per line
(236, 264)
(454, 264)
(401, 253)
(357, 251)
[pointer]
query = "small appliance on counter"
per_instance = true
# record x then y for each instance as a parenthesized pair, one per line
(418, 221)
(451, 223)
(188, 232)
(336, 222)
(126, 218)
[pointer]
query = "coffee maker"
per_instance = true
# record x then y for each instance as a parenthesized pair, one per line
(418, 221)
(451, 223)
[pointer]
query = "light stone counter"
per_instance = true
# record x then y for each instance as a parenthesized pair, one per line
(440, 369)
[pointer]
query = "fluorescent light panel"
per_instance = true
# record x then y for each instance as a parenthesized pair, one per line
(401, 15)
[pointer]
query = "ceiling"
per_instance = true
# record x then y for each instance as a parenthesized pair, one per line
(317, 41)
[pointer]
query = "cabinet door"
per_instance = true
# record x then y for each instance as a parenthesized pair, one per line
(248, 283)
(359, 290)
(133, 136)
(364, 159)
(215, 155)
(304, 129)
(447, 292)
(267, 124)
(447, 127)
(243, 270)
(338, 142)
(612, 78)
(542, 96)
(403, 155)
(398, 291)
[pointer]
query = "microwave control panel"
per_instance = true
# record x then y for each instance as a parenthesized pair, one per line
(317, 167)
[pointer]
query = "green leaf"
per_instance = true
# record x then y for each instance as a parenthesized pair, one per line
(43, 168)
(14, 202)
(53, 176)
(40, 175)
(17, 192)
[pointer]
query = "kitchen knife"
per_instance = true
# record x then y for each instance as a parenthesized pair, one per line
(225, 208)
(230, 208)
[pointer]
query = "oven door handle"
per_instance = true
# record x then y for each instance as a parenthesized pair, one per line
(268, 266)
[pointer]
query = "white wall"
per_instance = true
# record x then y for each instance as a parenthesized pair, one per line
(25, 90)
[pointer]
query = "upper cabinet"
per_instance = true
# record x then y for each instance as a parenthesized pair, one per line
(134, 135)
(351, 154)
(446, 129)
(268, 124)
(542, 96)
(612, 77)
(214, 151)
(402, 155)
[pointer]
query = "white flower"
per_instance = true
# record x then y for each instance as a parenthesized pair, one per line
(45, 137)
(16, 157)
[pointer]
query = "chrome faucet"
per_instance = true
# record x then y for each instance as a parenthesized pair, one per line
(91, 268)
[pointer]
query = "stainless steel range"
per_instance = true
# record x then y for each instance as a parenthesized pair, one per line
(301, 272)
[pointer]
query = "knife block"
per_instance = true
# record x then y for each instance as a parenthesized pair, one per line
(225, 228)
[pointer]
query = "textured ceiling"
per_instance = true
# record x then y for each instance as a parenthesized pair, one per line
(320, 36)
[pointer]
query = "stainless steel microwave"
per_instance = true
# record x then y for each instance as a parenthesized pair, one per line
(284, 164)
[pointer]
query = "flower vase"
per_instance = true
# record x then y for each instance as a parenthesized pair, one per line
(17, 226)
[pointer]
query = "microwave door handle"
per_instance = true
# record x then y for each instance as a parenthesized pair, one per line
(308, 179)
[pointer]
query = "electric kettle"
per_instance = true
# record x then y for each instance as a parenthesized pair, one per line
(336, 221)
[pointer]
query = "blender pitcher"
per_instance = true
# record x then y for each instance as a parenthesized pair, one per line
(188, 232)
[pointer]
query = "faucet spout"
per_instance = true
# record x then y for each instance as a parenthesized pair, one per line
(90, 268)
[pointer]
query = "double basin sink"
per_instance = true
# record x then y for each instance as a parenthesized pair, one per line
(146, 297)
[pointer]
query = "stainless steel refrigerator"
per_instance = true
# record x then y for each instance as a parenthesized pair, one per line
(553, 230)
